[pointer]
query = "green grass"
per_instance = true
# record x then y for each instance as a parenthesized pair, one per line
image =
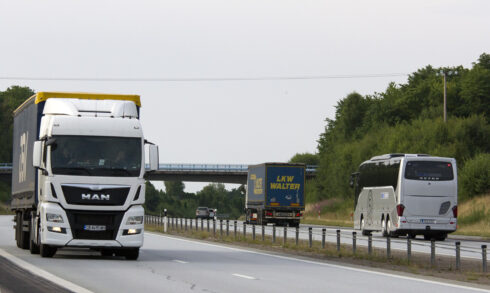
(5, 210)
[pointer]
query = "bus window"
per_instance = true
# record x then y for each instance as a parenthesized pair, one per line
(429, 170)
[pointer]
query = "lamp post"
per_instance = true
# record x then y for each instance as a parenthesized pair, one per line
(444, 74)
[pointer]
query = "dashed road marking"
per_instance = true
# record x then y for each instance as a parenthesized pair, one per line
(244, 276)
(180, 261)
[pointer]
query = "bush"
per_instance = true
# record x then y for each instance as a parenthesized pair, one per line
(474, 177)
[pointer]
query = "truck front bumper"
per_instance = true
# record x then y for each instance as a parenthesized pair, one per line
(77, 228)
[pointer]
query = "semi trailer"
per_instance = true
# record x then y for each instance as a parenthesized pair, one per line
(275, 194)
(77, 174)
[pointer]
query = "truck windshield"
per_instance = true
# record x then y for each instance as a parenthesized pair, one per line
(96, 156)
(427, 170)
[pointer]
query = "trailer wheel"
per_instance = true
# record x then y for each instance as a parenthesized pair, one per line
(364, 231)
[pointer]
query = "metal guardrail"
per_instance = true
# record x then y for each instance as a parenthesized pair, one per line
(203, 167)
(336, 238)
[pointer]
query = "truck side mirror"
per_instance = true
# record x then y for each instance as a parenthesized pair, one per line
(37, 154)
(153, 157)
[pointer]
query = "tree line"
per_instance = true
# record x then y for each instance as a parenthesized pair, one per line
(407, 118)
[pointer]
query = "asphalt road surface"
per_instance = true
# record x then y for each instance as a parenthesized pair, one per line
(169, 264)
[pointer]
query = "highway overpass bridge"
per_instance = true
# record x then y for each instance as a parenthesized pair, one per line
(220, 173)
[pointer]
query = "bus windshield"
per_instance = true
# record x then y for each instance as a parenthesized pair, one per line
(429, 170)
(96, 156)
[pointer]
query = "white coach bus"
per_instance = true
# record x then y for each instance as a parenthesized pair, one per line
(406, 194)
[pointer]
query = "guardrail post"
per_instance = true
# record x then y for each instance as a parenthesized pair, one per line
(458, 255)
(324, 234)
(191, 220)
(297, 236)
(338, 240)
(388, 246)
(185, 220)
(310, 237)
(274, 233)
(208, 225)
(285, 236)
(202, 224)
(181, 224)
(244, 230)
(354, 236)
(432, 252)
(409, 249)
(234, 228)
(484, 258)
(370, 244)
(227, 228)
(263, 233)
(214, 228)
(197, 225)
(165, 224)
(253, 232)
(221, 228)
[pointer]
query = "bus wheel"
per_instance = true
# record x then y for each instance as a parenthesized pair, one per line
(363, 231)
(383, 227)
(441, 237)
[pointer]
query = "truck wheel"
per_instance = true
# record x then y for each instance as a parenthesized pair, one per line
(46, 250)
(17, 229)
(132, 254)
(33, 247)
(24, 236)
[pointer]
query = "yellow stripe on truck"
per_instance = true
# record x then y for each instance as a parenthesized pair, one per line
(43, 96)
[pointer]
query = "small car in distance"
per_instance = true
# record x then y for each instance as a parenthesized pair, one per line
(204, 213)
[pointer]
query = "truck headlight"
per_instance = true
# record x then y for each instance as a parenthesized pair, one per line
(56, 218)
(134, 220)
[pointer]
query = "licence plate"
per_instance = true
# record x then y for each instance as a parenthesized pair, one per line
(94, 227)
(427, 221)
(284, 214)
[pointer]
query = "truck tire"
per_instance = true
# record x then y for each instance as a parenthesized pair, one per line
(132, 254)
(33, 247)
(24, 237)
(44, 249)
(17, 229)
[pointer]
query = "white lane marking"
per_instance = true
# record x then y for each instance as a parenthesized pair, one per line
(43, 274)
(180, 261)
(244, 276)
(327, 264)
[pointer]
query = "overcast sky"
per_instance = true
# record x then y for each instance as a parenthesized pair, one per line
(240, 121)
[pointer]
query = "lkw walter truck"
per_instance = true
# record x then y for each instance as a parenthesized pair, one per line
(77, 176)
(275, 194)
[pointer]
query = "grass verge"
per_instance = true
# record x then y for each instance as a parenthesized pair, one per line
(5, 209)
(419, 263)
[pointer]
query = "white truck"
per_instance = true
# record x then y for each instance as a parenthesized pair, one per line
(77, 174)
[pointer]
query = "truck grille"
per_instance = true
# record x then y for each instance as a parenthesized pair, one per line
(80, 220)
(85, 196)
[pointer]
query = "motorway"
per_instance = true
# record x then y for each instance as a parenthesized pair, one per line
(169, 264)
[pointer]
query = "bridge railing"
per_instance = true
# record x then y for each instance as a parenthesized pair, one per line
(204, 167)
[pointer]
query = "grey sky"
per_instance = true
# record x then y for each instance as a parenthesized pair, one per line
(235, 121)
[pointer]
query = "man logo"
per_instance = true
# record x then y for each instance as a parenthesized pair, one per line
(96, 196)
